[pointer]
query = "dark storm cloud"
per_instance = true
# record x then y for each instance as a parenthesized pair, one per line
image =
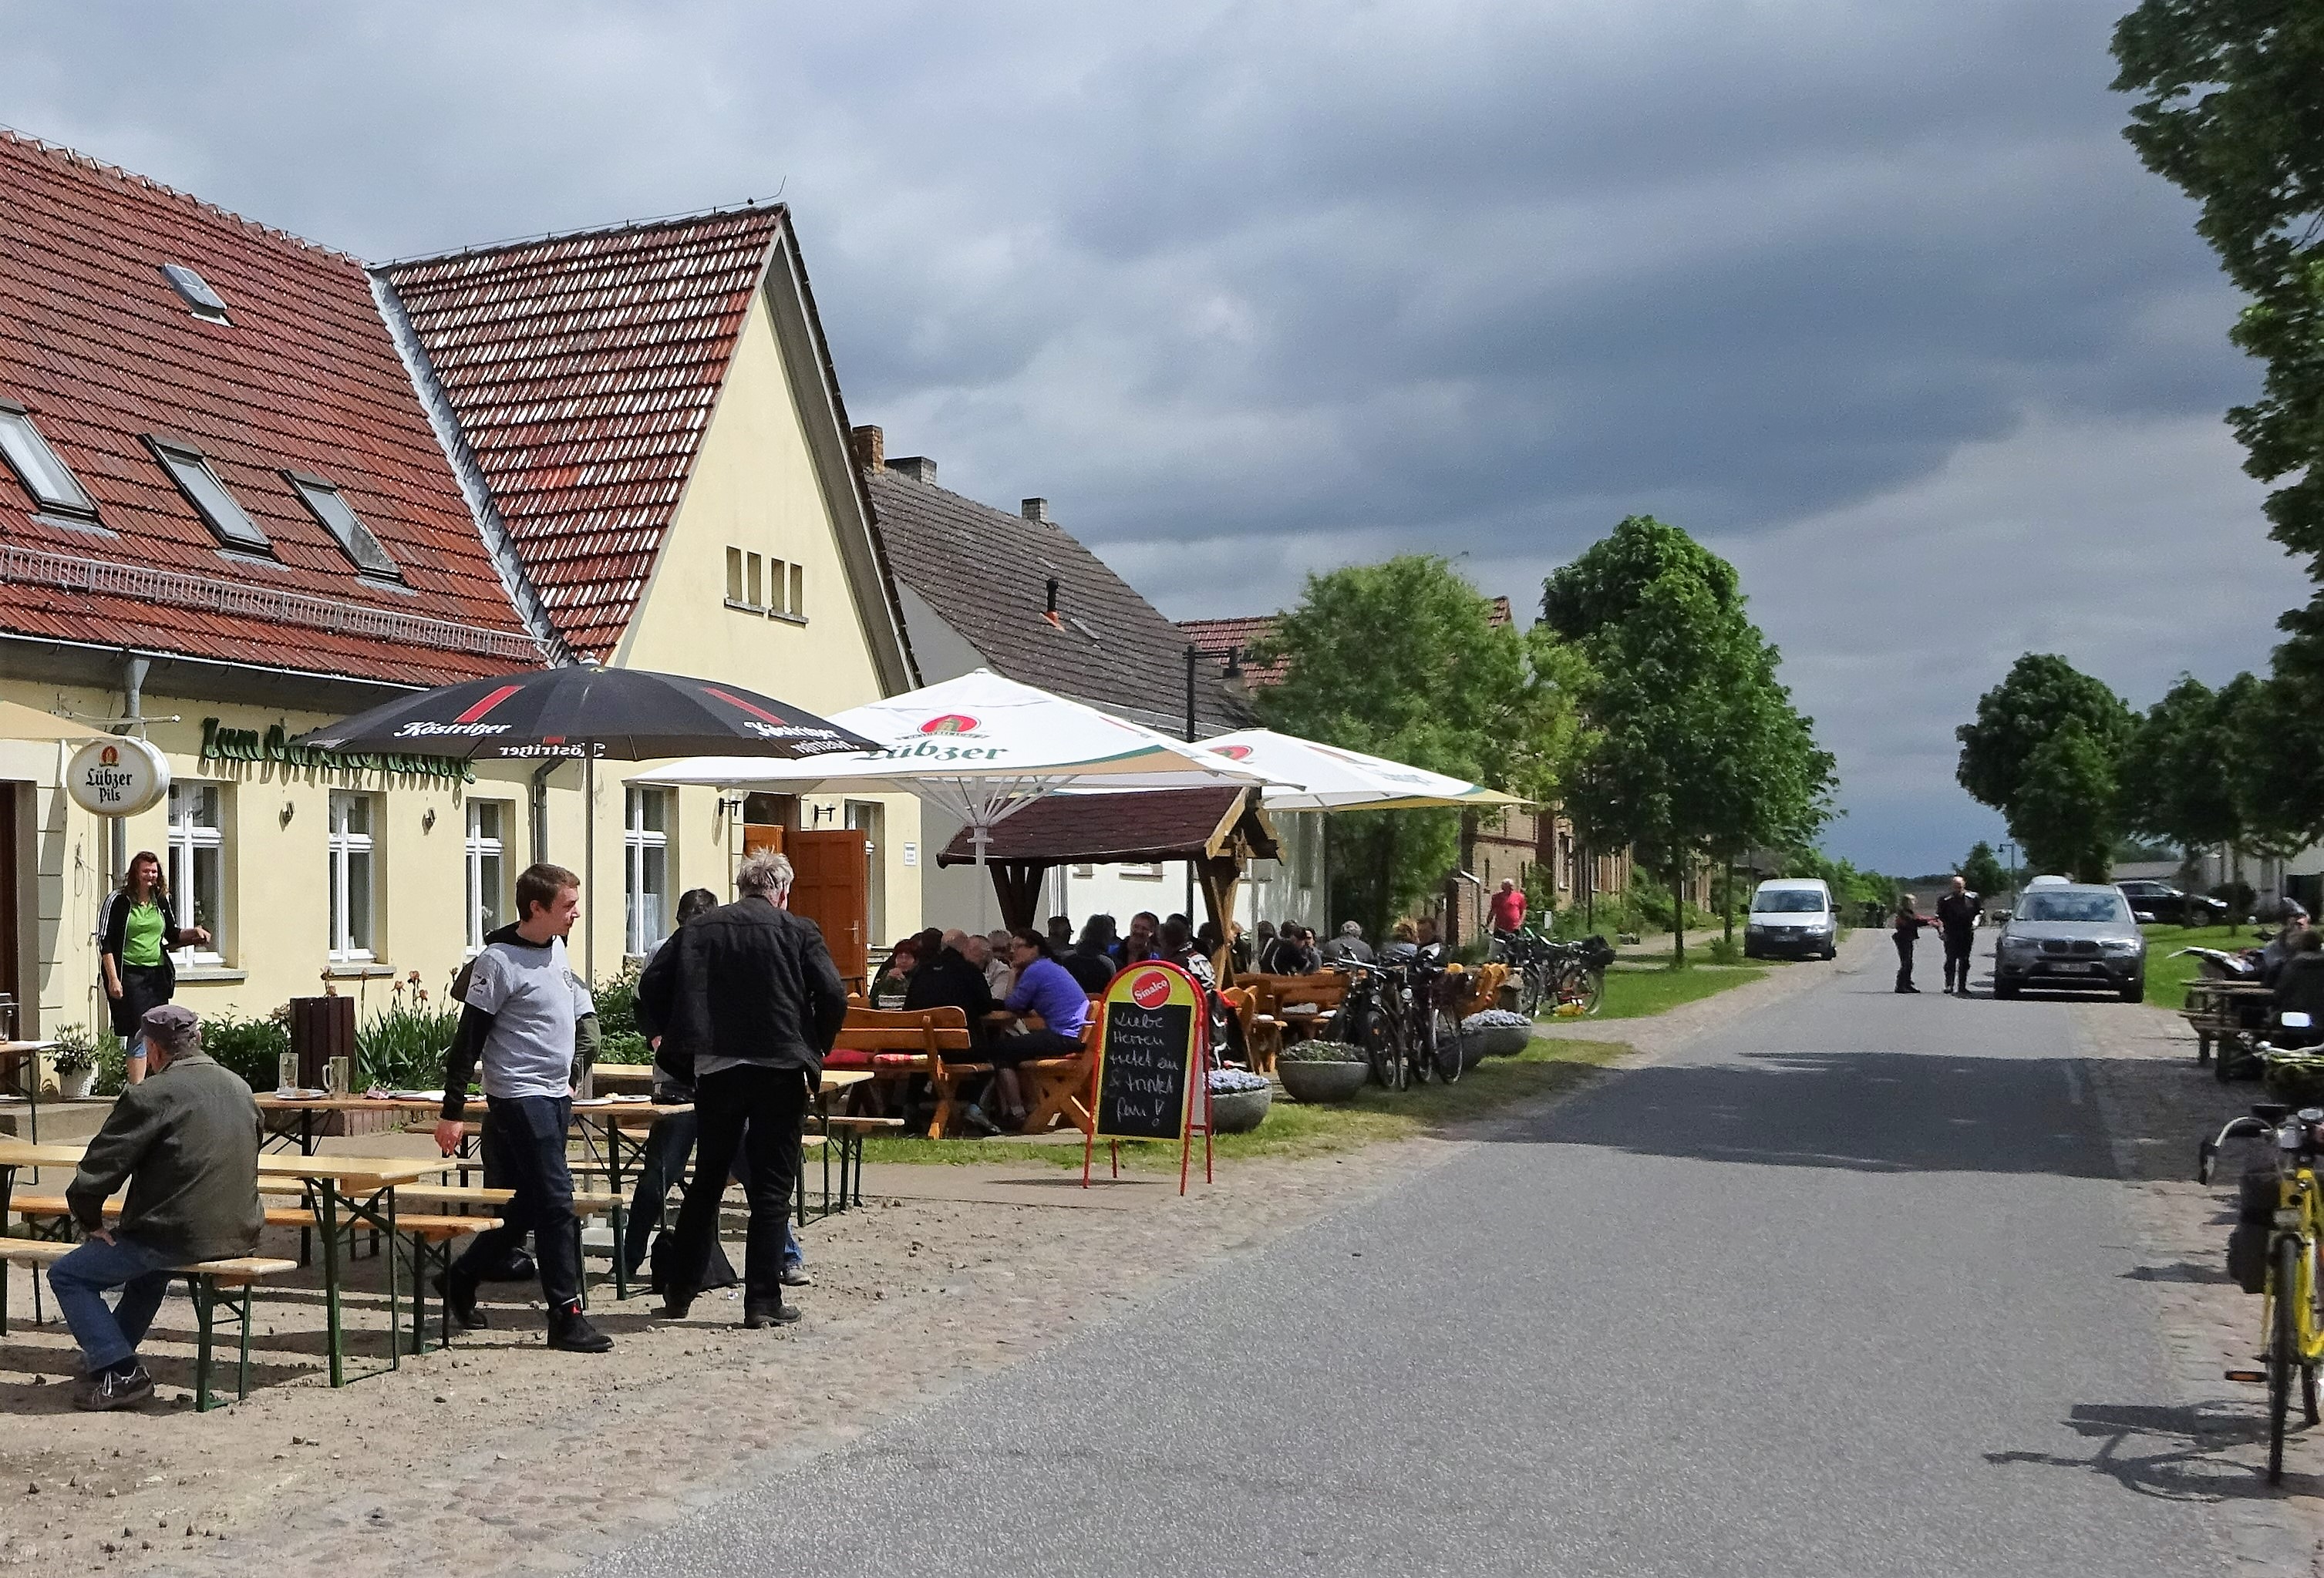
(1253, 290)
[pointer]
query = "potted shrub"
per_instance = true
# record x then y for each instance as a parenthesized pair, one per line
(1322, 1070)
(1496, 1032)
(1239, 1100)
(74, 1058)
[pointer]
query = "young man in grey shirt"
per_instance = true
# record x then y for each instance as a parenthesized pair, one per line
(518, 1023)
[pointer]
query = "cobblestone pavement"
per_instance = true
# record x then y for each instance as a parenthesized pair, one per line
(2157, 1104)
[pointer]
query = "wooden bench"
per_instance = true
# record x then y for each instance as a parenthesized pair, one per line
(848, 1131)
(211, 1284)
(901, 1043)
(1056, 1089)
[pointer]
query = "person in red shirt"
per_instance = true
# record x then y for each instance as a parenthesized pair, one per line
(1508, 906)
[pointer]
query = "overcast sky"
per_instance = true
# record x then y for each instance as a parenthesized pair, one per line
(1869, 294)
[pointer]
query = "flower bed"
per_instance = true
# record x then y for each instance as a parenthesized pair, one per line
(1322, 1070)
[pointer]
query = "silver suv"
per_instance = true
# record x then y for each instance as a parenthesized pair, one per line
(2071, 934)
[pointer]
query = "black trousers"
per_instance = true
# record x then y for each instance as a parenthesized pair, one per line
(529, 1146)
(1957, 951)
(1905, 961)
(761, 1107)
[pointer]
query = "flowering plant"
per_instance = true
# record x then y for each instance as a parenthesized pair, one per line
(1496, 1019)
(1234, 1081)
(1319, 1050)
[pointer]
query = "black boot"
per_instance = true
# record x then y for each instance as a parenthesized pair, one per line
(570, 1331)
(675, 1304)
(459, 1297)
(756, 1315)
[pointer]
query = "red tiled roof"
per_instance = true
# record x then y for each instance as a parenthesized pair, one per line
(582, 370)
(1216, 637)
(96, 343)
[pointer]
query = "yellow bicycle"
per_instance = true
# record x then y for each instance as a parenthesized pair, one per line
(2273, 1251)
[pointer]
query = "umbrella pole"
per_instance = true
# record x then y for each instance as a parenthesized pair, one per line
(981, 835)
(589, 866)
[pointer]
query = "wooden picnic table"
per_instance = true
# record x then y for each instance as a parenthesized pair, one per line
(15, 1057)
(623, 1078)
(2217, 1011)
(350, 1193)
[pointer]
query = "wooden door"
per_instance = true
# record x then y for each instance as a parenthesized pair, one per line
(828, 887)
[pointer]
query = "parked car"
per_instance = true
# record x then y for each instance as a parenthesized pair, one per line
(1791, 915)
(2172, 906)
(2071, 934)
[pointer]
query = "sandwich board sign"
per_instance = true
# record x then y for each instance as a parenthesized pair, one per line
(1151, 1081)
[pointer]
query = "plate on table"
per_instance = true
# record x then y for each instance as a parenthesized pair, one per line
(300, 1095)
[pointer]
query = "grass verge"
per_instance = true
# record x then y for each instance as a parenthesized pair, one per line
(1637, 991)
(1294, 1130)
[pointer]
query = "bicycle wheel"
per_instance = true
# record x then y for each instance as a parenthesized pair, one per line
(2283, 1348)
(1529, 991)
(1444, 1032)
(1381, 1051)
(1593, 990)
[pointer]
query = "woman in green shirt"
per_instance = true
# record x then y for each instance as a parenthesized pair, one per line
(139, 928)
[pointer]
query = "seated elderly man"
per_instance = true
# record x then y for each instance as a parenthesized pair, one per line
(186, 1142)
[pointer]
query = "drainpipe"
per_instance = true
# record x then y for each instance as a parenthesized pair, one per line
(133, 722)
(539, 809)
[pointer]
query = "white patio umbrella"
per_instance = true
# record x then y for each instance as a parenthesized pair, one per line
(982, 747)
(1310, 777)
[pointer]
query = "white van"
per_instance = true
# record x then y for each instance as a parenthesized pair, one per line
(1791, 915)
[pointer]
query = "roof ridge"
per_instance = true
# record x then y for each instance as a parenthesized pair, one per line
(90, 162)
(773, 204)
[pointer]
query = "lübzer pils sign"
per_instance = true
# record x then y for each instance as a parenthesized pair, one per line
(117, 778)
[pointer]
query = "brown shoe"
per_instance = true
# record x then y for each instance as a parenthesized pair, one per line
(109, 1389)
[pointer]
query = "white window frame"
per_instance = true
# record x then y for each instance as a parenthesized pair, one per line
(637, 839)
(187, 835)
(346, 848)
(477, 848)
(42, 470)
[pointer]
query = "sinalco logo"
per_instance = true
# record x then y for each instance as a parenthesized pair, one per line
(950, 723)
(1233, 753)
(1150, 990)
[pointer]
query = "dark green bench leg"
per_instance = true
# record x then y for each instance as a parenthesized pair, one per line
(200, 1291)
(620, 1217)
(242, 1381)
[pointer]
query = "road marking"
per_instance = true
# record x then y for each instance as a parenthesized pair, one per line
(2074, 1081)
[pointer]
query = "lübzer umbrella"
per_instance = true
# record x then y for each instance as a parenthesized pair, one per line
(584, 712)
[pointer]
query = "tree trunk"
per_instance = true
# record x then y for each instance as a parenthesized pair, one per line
(1727, 904)
(1678, 912)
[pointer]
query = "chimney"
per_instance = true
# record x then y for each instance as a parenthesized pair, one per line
(871, 448)
(918, 467)
(1035, 510)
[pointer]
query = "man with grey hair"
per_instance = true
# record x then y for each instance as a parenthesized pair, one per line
(748, 994)
(186, 1142)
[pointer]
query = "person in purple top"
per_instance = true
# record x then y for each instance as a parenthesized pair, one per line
(1044, 986)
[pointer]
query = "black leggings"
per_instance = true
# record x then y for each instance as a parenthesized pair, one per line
(1905, 961)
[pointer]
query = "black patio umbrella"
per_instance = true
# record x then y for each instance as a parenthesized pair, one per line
(585, 712)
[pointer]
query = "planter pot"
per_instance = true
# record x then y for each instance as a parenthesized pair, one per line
(1472, 1050)
(1239, 1112)
(72, 1087)
(1318, 1082)
(1502, 1041)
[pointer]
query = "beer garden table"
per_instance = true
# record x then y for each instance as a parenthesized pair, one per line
(350, 1193)
(15, 1058)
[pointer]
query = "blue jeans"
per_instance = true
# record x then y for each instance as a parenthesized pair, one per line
(81, 1281)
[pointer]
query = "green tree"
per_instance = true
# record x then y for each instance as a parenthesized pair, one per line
(1982, 870)
(2177, 780)
(2009, 762)
(1402, 659)
(1696, 750)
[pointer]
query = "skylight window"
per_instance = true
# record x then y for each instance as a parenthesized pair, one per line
(36, 465)
(196, 293)
(342, 522)
(202, 489)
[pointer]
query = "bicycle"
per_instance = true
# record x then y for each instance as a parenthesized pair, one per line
(1580, 989)
(1369, 1018)
(2272, 1249)
(1432, 1033)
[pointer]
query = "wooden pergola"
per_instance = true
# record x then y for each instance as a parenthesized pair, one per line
(1220, 830)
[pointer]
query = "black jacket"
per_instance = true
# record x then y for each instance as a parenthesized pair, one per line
(1092, 969)
(950, 981)
(2299, 986)
(747, 981)
(1956, 913)
(115, 927)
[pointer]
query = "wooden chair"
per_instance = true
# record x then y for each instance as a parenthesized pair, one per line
(899, 1043)
(1262, 1032)
(1056, 1089)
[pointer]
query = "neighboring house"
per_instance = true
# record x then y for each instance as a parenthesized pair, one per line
(981, 588)
(1538, 851)
(225, 510)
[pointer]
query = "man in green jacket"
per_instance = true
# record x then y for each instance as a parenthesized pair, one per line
(186, 1142)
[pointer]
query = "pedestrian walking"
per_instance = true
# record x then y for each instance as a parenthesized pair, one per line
(139, 929)
(748, 997)
(518, 1023)
(1957, 923)
(1907, 930)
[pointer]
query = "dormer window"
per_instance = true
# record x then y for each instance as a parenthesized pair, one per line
(207, 495)
(36, 465)
(339, 518)
(195, 293)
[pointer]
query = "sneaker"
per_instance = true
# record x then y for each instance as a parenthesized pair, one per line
(795, 1275)
(758, 1316)
(569, 1332)
(110, 1389)
(460, 1298)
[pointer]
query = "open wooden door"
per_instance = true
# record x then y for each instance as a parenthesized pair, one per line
(828, 887)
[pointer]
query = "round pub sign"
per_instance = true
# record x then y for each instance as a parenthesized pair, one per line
(117, 778)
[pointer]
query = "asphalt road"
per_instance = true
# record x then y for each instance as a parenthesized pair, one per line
(1840, 1289)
